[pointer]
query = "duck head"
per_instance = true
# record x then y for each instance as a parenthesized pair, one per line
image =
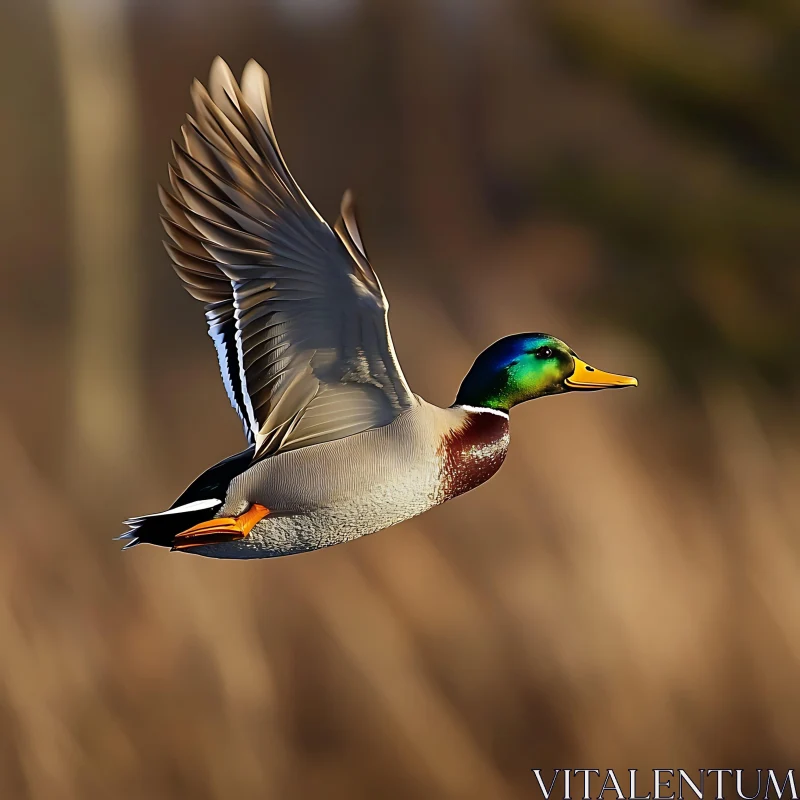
(529, 365)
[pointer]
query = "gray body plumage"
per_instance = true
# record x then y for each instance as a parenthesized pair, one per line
(337, 491)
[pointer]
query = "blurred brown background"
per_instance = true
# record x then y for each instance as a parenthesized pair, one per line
(626, 593)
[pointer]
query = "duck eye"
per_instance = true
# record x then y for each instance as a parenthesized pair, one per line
(543, 352)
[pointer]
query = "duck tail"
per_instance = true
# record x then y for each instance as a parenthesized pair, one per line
(161, 529)
(197, 504)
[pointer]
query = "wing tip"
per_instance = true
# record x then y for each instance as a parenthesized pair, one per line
(348, 204)
(254, 70)
(347, 229)
(219, 64)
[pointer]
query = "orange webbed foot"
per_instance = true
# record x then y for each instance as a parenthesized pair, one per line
(220, 529)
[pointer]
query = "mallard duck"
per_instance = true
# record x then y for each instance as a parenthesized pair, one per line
(339, 445)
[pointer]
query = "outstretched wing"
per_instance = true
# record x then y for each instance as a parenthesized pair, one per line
(296, 312)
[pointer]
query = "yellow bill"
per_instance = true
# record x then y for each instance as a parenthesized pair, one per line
(587, 378)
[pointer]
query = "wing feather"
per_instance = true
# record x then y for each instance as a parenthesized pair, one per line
(295, 310)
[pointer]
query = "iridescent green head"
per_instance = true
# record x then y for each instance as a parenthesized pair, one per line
(529, 365)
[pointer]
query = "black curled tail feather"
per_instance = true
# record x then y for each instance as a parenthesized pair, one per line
(198, 503)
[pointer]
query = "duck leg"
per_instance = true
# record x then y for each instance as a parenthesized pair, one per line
(220, 529)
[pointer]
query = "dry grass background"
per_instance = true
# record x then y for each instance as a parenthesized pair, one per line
(623, 594)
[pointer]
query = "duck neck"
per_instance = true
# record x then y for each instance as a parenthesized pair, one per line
(473, 450)
(482, 409)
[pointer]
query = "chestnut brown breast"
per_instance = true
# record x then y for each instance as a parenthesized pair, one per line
(472, 453)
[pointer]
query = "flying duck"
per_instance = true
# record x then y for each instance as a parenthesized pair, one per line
(339, 445)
